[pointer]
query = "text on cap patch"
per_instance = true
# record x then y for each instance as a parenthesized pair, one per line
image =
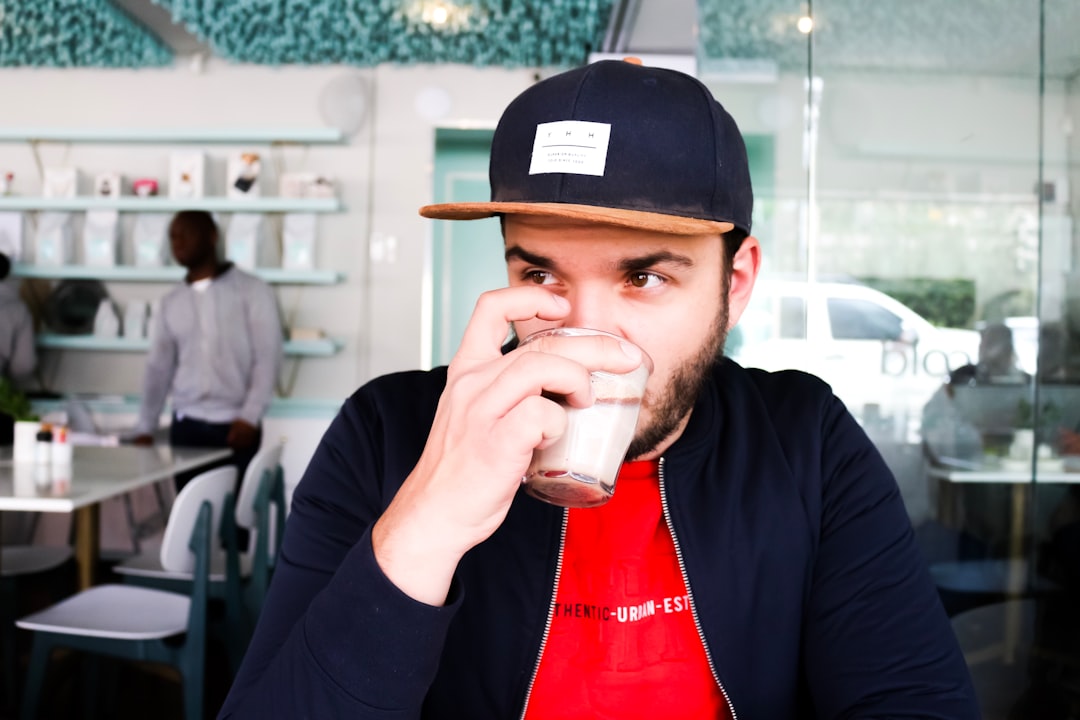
(577, 147)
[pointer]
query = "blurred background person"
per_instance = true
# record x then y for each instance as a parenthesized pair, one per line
(215, 346)
(961, 425)
(18, 357)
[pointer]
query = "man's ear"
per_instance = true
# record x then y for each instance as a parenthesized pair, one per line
(744, 271)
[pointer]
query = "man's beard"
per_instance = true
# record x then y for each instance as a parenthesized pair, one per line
(676, 400)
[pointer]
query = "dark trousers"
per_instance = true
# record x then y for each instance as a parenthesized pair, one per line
(190, 432)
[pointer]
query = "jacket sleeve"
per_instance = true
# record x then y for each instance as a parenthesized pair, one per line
(336, 638)
(877, 643)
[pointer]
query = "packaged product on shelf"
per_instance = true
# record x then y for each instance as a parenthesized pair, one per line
(305, 185)
(106, 322)
(242, 180)
(11, 235)
(135, 319)
(100, 238)
(244, 239)
(145, 187)
(298, 241)
(187, 174)
(150, 238)
(108, 185)
(53, 240)
(61, 182)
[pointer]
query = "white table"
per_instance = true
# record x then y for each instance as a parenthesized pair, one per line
(1044, 473)
(1020, 480)
(1051, 473)
(96, 474)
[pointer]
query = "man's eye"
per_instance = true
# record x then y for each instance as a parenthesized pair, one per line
(644, 280)
(539, 277)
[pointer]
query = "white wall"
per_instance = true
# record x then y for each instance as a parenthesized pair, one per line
(384, 174)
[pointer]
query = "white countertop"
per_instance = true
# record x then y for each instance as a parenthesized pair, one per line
(1051, 471)
(95, 474)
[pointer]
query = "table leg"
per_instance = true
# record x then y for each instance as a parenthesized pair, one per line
(87, 542)
(1017, 570)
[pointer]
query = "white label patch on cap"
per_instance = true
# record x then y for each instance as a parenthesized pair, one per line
(570, 146)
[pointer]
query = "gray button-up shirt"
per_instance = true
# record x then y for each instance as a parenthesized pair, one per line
(218, 350)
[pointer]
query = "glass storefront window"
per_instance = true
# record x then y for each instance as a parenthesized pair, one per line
(915, 168)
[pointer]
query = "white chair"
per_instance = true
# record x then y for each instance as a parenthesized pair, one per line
(142, 623)
(240, 578)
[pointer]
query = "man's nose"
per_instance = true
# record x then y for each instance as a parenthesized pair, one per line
(590, 308)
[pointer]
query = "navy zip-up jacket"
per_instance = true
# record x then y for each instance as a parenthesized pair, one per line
(811, 595)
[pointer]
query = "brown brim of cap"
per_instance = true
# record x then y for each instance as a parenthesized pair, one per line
(637, 219)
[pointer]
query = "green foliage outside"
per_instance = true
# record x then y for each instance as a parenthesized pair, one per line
(944, 302)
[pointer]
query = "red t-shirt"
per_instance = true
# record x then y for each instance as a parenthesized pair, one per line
(622, 642)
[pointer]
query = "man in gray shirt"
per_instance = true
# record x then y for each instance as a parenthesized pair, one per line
(17, 356)
(216, 345)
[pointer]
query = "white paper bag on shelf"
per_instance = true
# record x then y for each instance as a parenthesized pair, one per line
(243, 239)
(61, 182)
(242, 176)
(106, 322)
(53, 241)
(11, 235)
(135, 315)
(298, 241)
(150, 239)
(187, 174)
(100, 238)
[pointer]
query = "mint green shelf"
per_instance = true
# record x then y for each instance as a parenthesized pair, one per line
(170, 205)
(313, 348)
(91, 342)
(186, 136)
(129, 273)
(309, 348)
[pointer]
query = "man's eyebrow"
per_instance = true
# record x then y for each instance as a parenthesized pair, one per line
(527, 257)
(630, 264)
(644, 262)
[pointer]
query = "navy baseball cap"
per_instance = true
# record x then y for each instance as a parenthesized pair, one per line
(617, 143)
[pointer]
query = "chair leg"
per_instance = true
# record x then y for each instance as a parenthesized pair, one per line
(191, 675)
(8, 640)
(238, 628)
(133, 525)
(90, 681)
(35, 676)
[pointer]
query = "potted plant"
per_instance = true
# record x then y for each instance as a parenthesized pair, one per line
(14, 407)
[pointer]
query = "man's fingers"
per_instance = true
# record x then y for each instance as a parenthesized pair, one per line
(496, 309)
(534, 422)
(525, 375)
(595, 352)
(555, 366)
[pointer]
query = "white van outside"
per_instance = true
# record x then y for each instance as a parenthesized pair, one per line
(881, 358)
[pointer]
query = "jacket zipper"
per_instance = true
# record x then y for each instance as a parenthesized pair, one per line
(550, 613)
(689, 593)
